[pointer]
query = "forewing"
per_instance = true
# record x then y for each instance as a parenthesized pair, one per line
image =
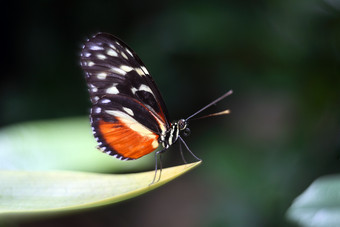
(114, 68)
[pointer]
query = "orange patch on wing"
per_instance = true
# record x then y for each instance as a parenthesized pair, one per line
(126, 140)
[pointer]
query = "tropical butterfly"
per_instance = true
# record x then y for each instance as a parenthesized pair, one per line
(128, 116)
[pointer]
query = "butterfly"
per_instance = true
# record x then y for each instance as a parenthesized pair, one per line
(128, 116)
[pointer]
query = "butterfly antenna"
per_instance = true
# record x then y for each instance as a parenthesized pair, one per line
(214, 114)
(181, 151)
(212, 103)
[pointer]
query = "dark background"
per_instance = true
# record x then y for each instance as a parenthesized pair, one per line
(281, 58)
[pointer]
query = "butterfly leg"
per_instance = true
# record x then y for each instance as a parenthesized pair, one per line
(181, 151)
(158, 154)
(160, 166)
(189, 149)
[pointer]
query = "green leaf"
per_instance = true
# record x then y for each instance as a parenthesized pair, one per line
(63, 144)
(319, 205)
(32, 192)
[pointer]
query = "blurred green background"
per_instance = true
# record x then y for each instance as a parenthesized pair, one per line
(281, 58)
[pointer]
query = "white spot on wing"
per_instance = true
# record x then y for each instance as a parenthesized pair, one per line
(126, 68)
(128, 110)
(118, 71)
(87, 54)
(102, 148)
(105, 101)
(112, 46)
(113, 89)
(112, 52)
(133, 89)
(97, 110)
(139, 71)
(94, 89)
(124, 55)
(101, 76)
(101, 56)
(144, 70)
(146, 88)
(129, 52)
(94, 47)
(142, 87)
(90, 63)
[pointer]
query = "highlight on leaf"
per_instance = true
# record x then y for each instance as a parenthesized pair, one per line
(27, 192)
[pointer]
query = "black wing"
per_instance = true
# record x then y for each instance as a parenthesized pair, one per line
(125, 100)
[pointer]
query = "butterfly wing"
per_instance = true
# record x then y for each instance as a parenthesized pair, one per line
(128, 113)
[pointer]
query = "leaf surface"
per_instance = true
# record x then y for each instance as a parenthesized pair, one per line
(319, 204)
(31, 191)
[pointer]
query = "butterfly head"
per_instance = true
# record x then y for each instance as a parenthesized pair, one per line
(183, 126)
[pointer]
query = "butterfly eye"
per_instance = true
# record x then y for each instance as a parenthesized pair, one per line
(186, 132)
(182, 124)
